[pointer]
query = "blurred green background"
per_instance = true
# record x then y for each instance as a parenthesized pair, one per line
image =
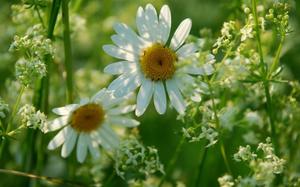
(93, 29)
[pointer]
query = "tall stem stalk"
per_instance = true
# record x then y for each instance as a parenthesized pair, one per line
(172, 162)
(68, 50)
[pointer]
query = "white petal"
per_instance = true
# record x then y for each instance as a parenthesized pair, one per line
(55, 124)
(175, 96)
(94, 149)
(127, 33)
(123, 121)
(121, 110)
(160, 101)
(82, 146)
(113, 101)
(124, 44)
(186, 50)
(120, 67)
(165, 23)
(115, 84)
(84, 101)
(144, 96)
(69, 143)
(152, 23)
(116, 52)
(181, 34)
(206, 69)
(59, 139)
(109, 138)
(64, 110)
(184, 81)
(99, 95)
(128, 86)
(141, 24)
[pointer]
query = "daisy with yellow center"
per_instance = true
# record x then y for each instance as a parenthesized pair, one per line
(89, 124)
(150, 62)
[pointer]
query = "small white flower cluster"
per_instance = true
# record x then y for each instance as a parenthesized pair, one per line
(133, 160)
(32, 118)
(227, 36)
(33, 47)
(226, 181)
(207, 133)
(4, 109)
(264, 166)
(247, 30)
(244, 154)
(279, 16)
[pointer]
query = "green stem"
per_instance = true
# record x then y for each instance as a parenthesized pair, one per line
(200, 168)
(172, 162)
(277, 56)
(257, 34)
(48, 179)
(218, 126)
(68, 50)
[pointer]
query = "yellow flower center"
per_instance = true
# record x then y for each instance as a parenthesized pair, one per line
(158, 62)
(87, 118)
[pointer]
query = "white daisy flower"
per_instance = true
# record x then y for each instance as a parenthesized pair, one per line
(89, 124)
(150, 62)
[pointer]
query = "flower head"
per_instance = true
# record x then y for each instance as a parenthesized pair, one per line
(150, 62)
(89, 124)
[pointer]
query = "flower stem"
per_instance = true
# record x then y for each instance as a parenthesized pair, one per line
(200, 168)
(266, 82)
(68, 50)
(172, 162)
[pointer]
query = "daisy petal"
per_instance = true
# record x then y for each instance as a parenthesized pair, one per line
(181, 34)
(121, 110)
(69, 143)
(186, 50)
(175, 96)
(126, 32)
(165, 23)
(56, 124)
(109, 137)
(82, 147)
(141, 24)
(64, 110)
(99, 95)
(144, 96)
(59, 139)
(120, 67)
(94, 149)
(152, 22)
(206, 69)
(119, 53)
(129, 86)
(184, 81)
(124, 44)
(115, 84)
(123, 121)
(159, 97)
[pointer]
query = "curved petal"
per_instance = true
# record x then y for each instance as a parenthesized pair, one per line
(55, 124)
(119, 53)
(206, 69)
(160, 101)
(181, 34)
(121, 110)
(124, 44)
(144, 96)
(129, 86)
(186, 50)
(65, 110)
(127, 33)
(94, 149)
(123, 121)
(165, 23)
(115, 84)
(141, 24)
(69, 143)
(99, 95)
(120, 67)
(59, 139)
(109, 138)
(82, 147)
(175, 96)
(152, 23)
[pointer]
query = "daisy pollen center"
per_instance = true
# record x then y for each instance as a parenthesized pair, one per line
(87, 118)
(158, 62)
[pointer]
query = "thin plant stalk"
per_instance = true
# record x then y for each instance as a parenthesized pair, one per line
(67, 50)
(172, 162)
(200, 167)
